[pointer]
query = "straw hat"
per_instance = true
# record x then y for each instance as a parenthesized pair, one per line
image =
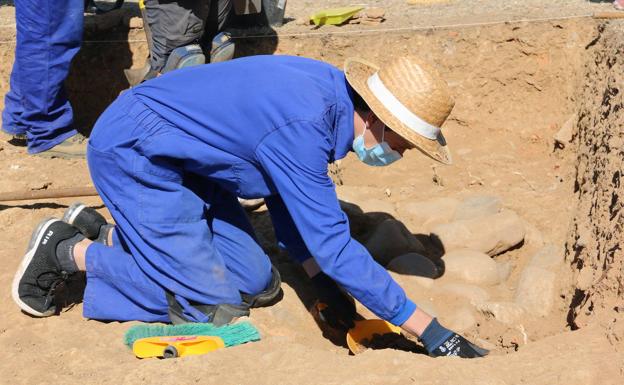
(409, 96)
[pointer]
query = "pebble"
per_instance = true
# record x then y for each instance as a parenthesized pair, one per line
(505, 312)
(414, 264)
(493, 234)
(471, 266)
(536, 291)
(390, 239)
(477, 207)
(428, 214)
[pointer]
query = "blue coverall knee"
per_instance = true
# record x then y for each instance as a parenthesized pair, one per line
(49, 34)
(177, 232)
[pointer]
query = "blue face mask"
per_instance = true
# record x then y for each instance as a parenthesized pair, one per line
(379, 155)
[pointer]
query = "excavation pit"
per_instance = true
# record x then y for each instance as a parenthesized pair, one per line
(536, 136)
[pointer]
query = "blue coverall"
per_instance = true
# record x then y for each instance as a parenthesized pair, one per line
(169, 158)
(49, 34)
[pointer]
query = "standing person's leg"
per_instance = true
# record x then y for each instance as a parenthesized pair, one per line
(173, 24)
(218, 18)
(215, 40)
(12, 113)
(49, 34)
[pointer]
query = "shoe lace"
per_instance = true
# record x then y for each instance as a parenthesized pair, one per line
(48, 281)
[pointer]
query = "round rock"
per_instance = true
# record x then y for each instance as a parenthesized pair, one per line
(477, 207)
(471, 266)
(391, 239)
(414, 264)
(492, 234)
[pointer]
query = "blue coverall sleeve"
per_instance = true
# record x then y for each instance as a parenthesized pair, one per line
(295, 157)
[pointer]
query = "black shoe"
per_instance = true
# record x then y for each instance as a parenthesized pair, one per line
(40, 272)
(268, 296)
(218, 315)
(88, 221)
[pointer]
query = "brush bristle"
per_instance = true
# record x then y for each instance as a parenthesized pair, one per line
(234, 334)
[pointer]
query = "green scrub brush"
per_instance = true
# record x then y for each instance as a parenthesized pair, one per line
(234, 334)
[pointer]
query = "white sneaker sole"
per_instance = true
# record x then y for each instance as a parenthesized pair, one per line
(72, 213)
(34, 241)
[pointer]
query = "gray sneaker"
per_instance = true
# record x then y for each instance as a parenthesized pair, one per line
(74, 147)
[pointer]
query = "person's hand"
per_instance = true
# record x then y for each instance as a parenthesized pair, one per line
(336, 308)
(458, 346)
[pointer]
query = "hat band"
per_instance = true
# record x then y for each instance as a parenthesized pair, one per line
(401, 112)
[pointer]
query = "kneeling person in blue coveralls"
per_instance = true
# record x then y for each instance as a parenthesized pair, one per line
(169, 158)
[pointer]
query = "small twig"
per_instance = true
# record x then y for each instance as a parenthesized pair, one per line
(526, 180)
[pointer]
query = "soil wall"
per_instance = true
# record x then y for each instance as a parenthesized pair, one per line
(594, 246)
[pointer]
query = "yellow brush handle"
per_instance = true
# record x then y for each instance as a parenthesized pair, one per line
(176, 346)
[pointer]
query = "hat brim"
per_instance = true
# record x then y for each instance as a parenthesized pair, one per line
(357, 72)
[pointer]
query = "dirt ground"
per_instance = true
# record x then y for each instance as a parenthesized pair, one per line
(517, 79)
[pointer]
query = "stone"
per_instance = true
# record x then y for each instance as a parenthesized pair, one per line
(377, 206)
(375, 12)
(414, 264)
(471, 266)
(390, 239)
(504, 270)
(549, 257)
(532, 236)
(565, 135)
(413, 281)
(472, 293)
(493, 234)
(506, 312)
(536, 291)
(477, 207)
(460, 320)
(358, 222)
(427, 214)
(418, 289)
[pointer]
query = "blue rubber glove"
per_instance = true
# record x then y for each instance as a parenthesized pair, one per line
(440, 341)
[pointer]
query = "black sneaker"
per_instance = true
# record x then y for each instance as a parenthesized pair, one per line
(88, 221)
(39, 274)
